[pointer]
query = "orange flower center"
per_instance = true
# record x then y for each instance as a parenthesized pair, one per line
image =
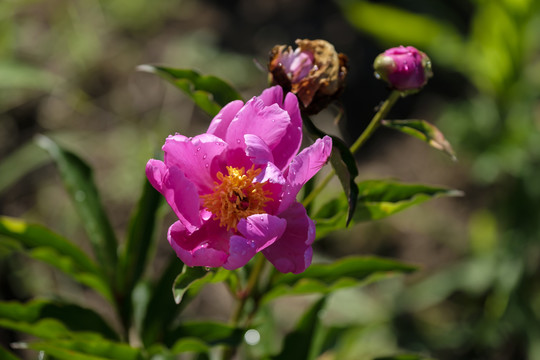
(236, 196)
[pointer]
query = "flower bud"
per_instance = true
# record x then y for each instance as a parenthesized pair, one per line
(314, 71)
(404, 68)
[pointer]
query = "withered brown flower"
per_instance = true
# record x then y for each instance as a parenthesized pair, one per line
(314, 71)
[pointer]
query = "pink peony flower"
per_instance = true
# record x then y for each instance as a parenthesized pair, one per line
(234, 188)
(404, 68)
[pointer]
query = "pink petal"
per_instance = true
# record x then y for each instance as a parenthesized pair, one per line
(206, 247)
(180, 193)
(272, 95)
(222, 120)
(182, 196)
(290, 143)
(275, 182)
(155, 170)
(262, 229)
(267, 122)
(241, 250)
(257, 150)
(259, 231)
(270, 173)
(292, 252)
(303, 167)
(196, 157)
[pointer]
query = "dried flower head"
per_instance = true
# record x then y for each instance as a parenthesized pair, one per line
(314, 71)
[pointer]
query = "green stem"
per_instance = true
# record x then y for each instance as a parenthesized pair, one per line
(312, 195)
(366, 134)
(248, 292)
(376, 121)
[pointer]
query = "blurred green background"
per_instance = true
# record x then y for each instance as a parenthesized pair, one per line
(68, 70)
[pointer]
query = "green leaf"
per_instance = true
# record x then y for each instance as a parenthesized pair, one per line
(188, 344)
(44, 245)
(73, 317)
(396, 26)
(161, 309)
(404, 357)
(19, 163)
(378, 199)
(343, 163)
(424, 131)
(330, 216)
(7, 355)
(134, 257)
(140, 233)
(77, 178)
(326, 278)
(210, 333)
(382, 198)
(192, 279)
(87, 349)
(298, 344)
(208, 92)
(185, 279)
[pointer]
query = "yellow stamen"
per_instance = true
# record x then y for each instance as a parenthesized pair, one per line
(236, 197)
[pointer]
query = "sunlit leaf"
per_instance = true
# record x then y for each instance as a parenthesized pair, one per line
(77, 178)
(45, 329)
(189, 344)
(495, 47)
(31, 317)
(87, 349)
(44, 245)
(298, 344)
(424, 131)
(381, 198)
(210, 93)
(330, 216)
(326, 278)
(210, 333)
(377, 199)
(394, 26)
(193, 278)
(343, 162)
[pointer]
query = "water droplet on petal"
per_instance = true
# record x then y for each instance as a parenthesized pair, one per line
(206, 165)
(198, 149)
(204, 156)
(238, 141)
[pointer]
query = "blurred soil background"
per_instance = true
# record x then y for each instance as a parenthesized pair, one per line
(68, 70)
